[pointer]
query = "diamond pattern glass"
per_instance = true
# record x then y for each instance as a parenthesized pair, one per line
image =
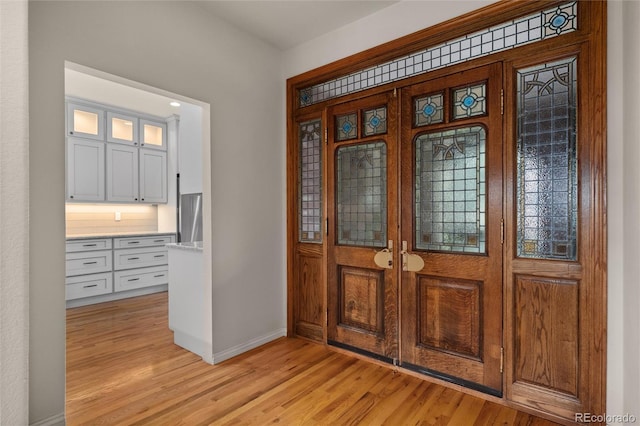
(450, 192)
(547, 179)
(428, 110)
(375, 122)
(361, 198)
(310, 187)
(347, 127)
(552, 22)
(470, 101)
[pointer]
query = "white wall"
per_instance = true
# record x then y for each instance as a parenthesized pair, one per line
(14, 202)
(629, 204)
(178, 47)
(623, 389)
(190, 149)
(395, 21)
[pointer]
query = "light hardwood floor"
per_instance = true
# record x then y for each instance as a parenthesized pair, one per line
(123, 368)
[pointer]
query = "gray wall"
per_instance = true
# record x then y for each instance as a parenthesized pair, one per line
(180, 48)
(14, 223)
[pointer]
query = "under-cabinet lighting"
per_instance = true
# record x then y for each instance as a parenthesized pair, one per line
(174, 104)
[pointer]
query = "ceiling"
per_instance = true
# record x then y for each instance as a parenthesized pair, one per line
(288, 23)
(281, 23)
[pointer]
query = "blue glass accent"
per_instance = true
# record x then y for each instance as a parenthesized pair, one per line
(468, 101)
(346, 127)
(559, 21)
(374, 121)
(429, 110)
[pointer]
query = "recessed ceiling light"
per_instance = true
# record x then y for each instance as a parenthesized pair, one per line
(174, 104)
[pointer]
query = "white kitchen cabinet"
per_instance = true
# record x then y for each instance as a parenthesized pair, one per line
(90, 262)
(110, 268)
(127, 165)
(135, 242)
(85, 121)
(122, 128)
(153, 176)
(122, 173)
(74, 246)
(139, 278)
(88, 285)
(153, 134)
(85, 170)
(139, 258)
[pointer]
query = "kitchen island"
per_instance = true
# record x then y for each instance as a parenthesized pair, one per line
(190, 300)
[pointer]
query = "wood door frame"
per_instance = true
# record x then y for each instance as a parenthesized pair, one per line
(592, 36)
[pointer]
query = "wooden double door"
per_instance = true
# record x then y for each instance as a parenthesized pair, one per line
(415, 202)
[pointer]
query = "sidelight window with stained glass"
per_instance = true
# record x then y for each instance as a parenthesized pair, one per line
(361, 185)
(450, 192)
(310, 182)
(547, 175)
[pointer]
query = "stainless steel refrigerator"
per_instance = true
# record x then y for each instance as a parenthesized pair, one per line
(190, 217)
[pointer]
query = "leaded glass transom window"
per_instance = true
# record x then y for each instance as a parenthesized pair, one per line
(552, 22)
(361, 186)
(310, 187)
(347, 127)
(450, 192)
(375, 121)
(428, 110)
(547, 175)
(470, 101)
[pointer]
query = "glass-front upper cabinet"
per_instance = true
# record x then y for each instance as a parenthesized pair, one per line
(153, 134)
(122, 128)
(85, 121)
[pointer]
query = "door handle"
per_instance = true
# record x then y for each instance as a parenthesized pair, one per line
(410, 262)
(384, 257)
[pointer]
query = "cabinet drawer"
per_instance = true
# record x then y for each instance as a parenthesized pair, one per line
(88, 285)
(91, 262)
(74, 246)
(138, 278)
(139, 258)
(132, 242)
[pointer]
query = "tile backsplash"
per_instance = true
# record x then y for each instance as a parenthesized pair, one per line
(82, 219)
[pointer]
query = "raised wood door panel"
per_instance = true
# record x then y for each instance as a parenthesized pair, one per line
(451, 218)
(308, 293)
(362, 211)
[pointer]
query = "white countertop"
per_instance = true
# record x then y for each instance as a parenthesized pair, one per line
(116, 235)
(193, 246)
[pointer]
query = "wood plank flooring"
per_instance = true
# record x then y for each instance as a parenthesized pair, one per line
(123, 369)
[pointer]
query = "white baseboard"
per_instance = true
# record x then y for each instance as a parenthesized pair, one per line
(55, 420)
(193, 344)
(247, 346)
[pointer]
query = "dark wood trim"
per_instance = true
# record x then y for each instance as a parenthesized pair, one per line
(468, 23)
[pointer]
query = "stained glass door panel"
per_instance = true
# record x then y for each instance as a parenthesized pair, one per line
(362, 194)
(451, 193)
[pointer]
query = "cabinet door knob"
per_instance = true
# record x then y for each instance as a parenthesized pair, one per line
(70, 196)
(135, 199)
